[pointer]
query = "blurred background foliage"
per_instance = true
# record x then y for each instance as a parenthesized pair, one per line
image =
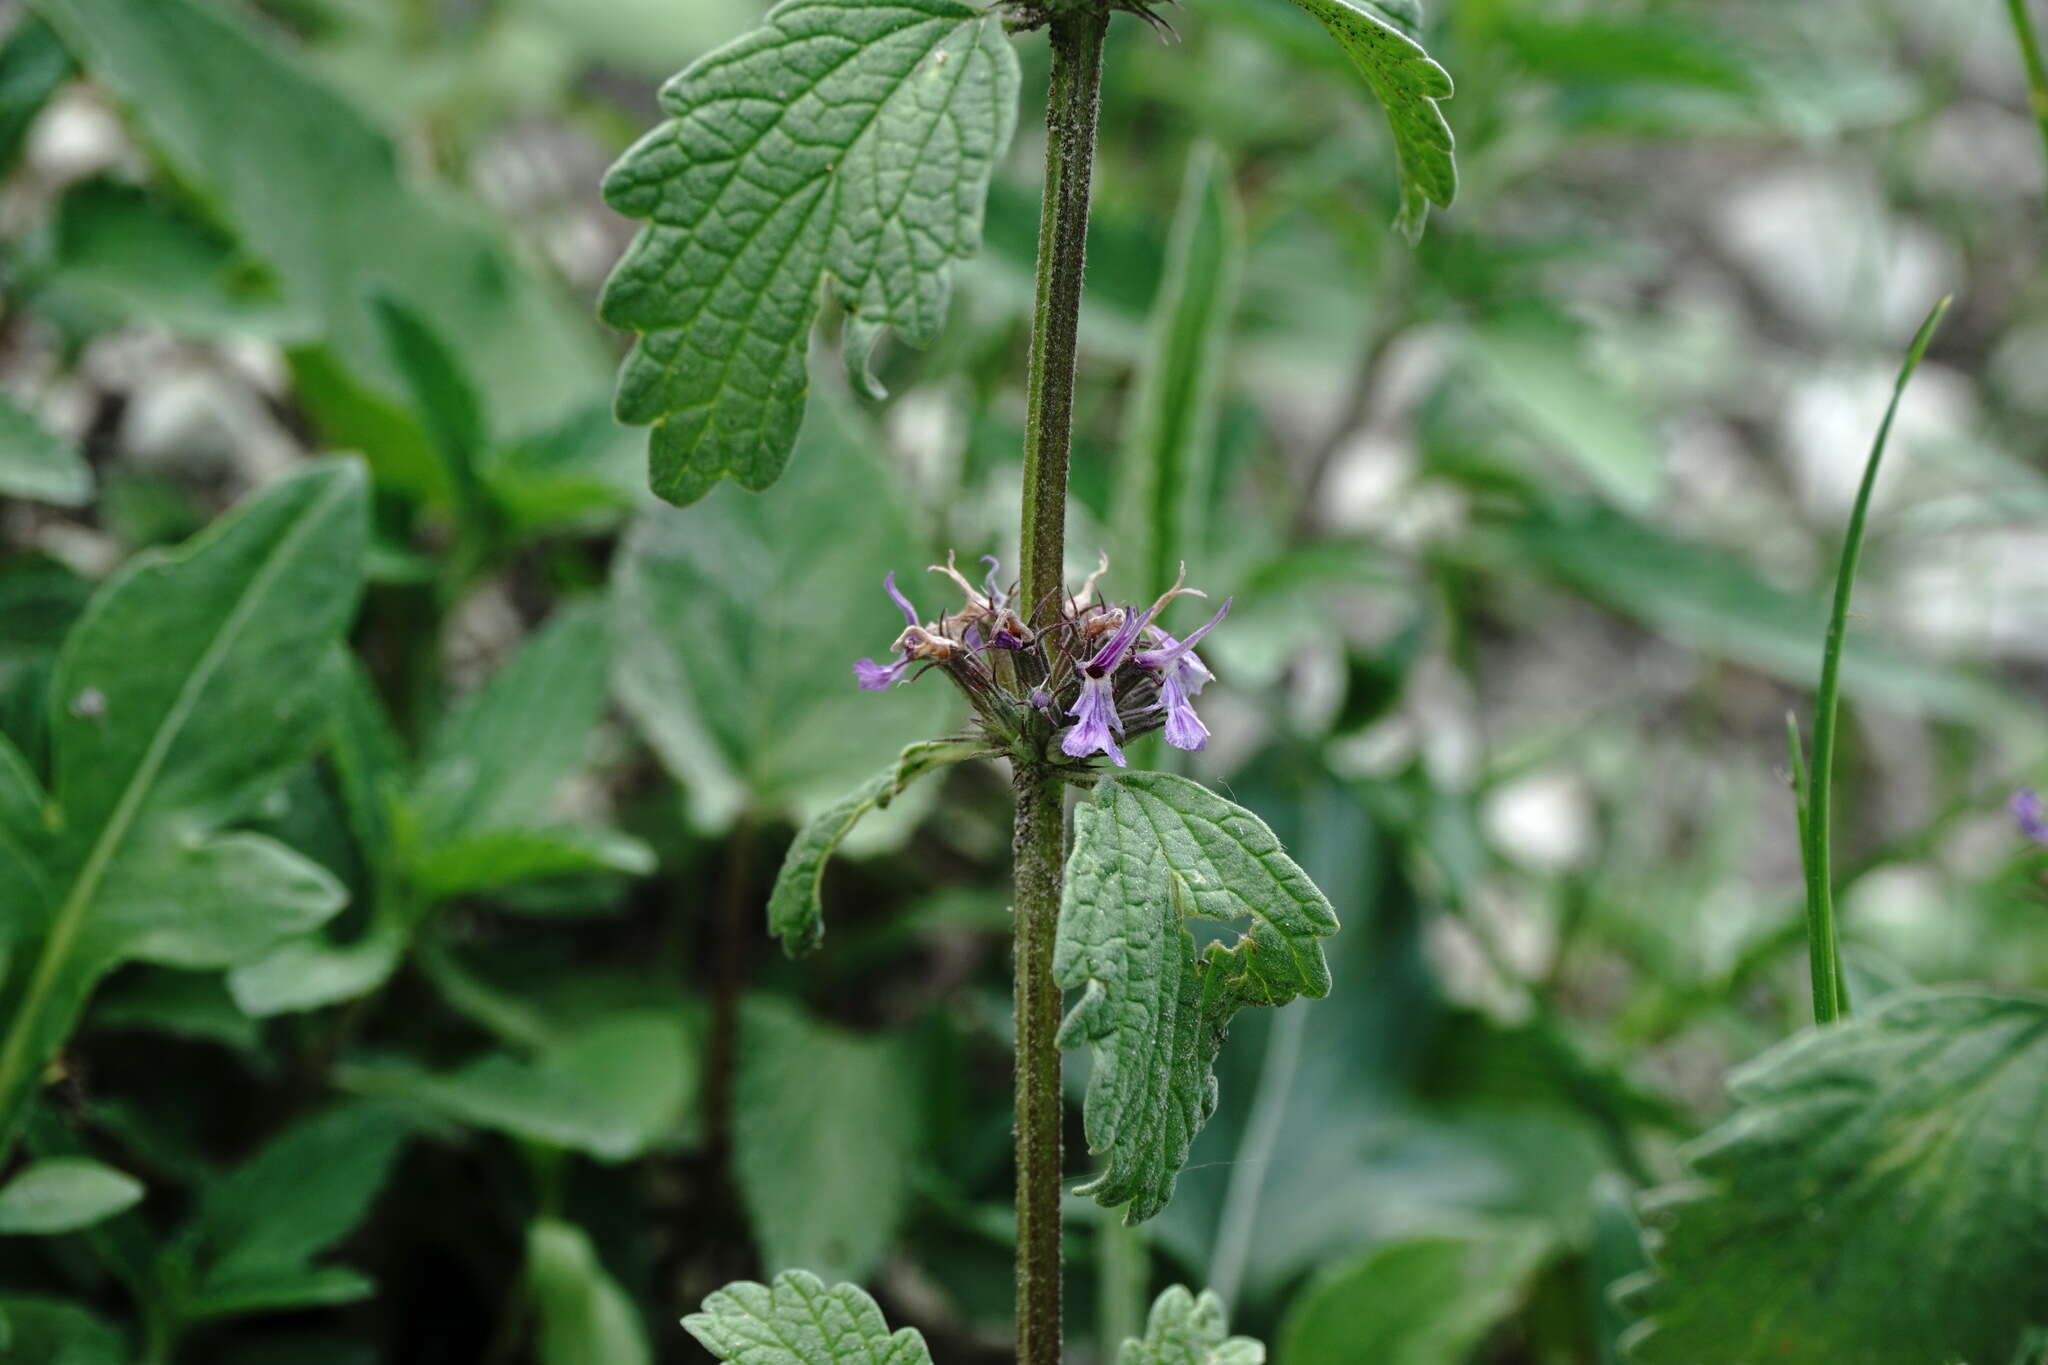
(1527, 529)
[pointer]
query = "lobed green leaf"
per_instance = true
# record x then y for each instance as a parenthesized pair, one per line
(1150, 851)
(796, 1320)
(849, 140)
(1185, 1329)
(1408, 84)
(1880, 1194)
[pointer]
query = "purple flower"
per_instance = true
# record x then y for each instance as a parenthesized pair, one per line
(1183, 675)
(874, 677)
(1094, 711)
(2026, 808)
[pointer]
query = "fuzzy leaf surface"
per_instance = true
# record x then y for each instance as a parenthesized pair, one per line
(796, 1320)
(843, 139)
(796, 914)
(1881, 1194)
(1186, 1329)
(1408, 85)
(1150, 851)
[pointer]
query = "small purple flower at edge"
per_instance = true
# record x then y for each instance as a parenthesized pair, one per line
(2026, 808)
(874, 677)
(1182, 677)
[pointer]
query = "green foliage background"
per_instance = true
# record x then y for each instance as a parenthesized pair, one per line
(390, 791)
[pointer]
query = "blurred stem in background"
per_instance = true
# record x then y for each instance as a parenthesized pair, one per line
(1071, 107)
(2037, 70)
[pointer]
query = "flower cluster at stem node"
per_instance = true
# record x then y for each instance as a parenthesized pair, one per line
(1101, 673)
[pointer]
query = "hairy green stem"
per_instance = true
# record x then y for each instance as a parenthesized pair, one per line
(1040, 836)
(2037, 70)
(1062, 250)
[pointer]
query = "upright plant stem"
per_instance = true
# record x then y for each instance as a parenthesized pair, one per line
(1040, 837)
(2037, 69)
(1824, 949)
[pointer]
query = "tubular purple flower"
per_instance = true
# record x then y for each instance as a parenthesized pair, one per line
(2027, 809)
(1096, 721)
(1182, 675)
(874, 677)
(1184, 729)
(1095, 717)
(1111, 656)
(909, 612)
(1173, 652)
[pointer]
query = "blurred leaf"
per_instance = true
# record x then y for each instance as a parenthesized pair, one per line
(39, 600)
(128, 257)
(653, 37)
(1169, 449)
(163, 1000)
(1151, 850)
(1629, 49)
(262, 145)
(369, 767)
(868, 166)
(447, 405)
(796, 913)
(1408, 84)
(279, 1291)
(477, 864)
(1531, 367)
(46, 1331)
(1713, 601)
(33, 64)
(1185, 1330)
(736, 634)
(36, 465)
(585, 1318)
(192, 682)
(1427, 1300)
(63, 1194)
(1877, 1195)
(641, 1062)
(582, 472)
(253, 1240)
(815, 1196)
(499, 757)
(798, 1321)
(24, 840)
(506, 1095)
